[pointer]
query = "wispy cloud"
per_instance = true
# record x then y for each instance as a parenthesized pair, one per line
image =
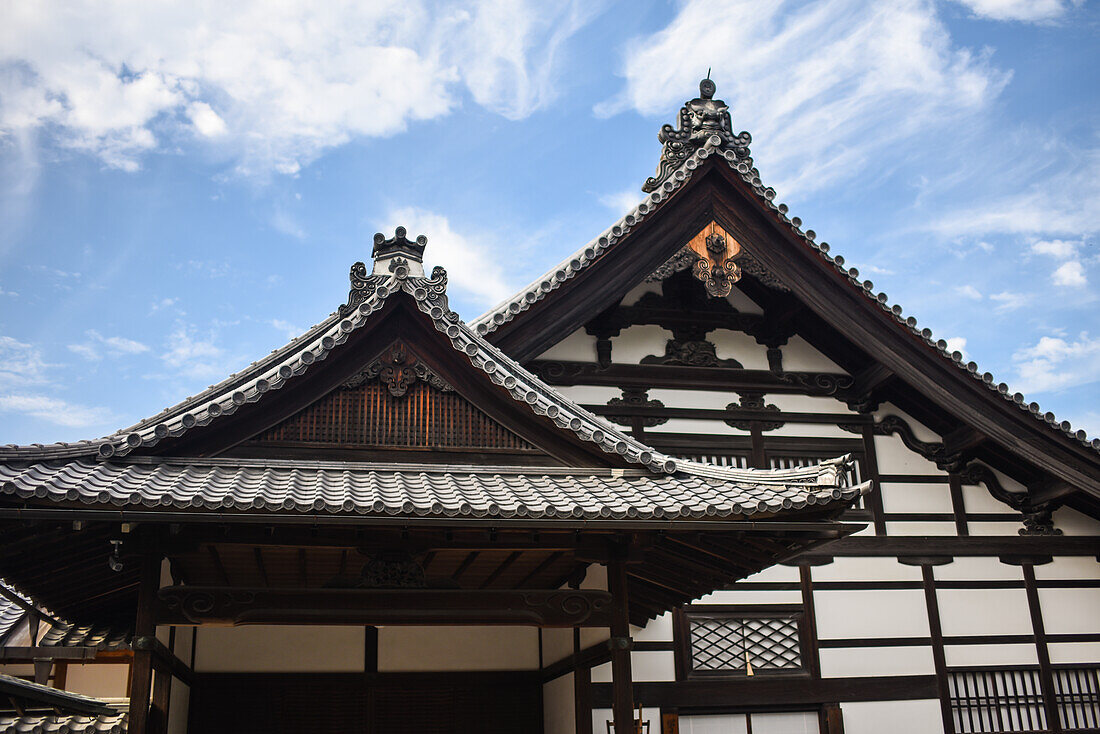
(194, 356)
(472, 266)
(969, 291)
(621, 201)
(54, 410)
(96, 346)
(1060, 249)
(1055, 363)
(826, 85)
(21, 363)
(957, 344)
(1008, 301)
(288, 329)
(271, 86)
(1024, 10)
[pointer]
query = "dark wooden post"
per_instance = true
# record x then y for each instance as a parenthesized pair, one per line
(939, 657)
(582, 690)
(141, 674)
(1046, 675)
(620, 644)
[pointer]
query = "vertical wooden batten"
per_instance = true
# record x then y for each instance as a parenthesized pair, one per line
(620, 643)
(142, 720)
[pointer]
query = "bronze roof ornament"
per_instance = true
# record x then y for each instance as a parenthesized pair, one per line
(704, 120)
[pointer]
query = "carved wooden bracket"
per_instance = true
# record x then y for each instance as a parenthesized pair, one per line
(715, 266)
(754, 401)
(635, 398)
(196, 605)
(398, 371)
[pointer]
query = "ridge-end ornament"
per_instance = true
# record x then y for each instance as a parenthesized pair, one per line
(702, 120)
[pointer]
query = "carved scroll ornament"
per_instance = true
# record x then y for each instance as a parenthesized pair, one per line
(398, 372)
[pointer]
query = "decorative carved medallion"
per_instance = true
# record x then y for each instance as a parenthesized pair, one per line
(635, 398)
(393, 570)
(701, 120)
(754, 401)
(714, 266)
(398, 372)
(690, 354)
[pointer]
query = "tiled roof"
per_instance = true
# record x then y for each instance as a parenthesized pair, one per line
(10, 616)
(102, 637)
(738, 159)
(52, 724)
(407, 490)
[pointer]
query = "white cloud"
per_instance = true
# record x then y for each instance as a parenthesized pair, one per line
(287, 328)
(969, 291)
(163, 304)
(957, 344)
(3, 292)
(1070, 274)
(54, 410)
(824, 86)
(1008, 301)
(1060, 249)
(622, 201)
(1025, 10)
(1055, 363)
(471, 265)
(273, 85)
(114, 346)
(192, 356)
(20, 363)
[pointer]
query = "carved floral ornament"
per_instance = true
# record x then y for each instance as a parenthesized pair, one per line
(715, 251)
(398, 371)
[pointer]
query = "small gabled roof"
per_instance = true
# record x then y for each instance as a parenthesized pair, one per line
(697, 147)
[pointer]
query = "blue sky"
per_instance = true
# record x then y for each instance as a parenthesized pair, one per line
(183, 187)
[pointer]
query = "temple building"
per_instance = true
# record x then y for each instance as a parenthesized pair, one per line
(699, 477)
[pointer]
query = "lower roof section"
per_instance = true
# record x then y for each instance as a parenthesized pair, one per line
(54, 724)
(404, 491)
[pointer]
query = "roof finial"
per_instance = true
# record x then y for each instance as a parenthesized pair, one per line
(703, 121)
(399, 252)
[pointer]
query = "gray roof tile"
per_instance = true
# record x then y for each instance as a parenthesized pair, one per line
(414, 491)
(52, 724)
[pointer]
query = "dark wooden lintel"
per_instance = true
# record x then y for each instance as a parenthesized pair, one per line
(1061, 545)
(195, 605)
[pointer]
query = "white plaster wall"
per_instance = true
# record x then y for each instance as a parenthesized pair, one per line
(864, 569)
(1074, 652)
(652, 665)
(595, 578)
(1072, 522)
(184, 637)
(734, 596)
(799, 356)
(916, 497)
(601, 673)
(711, 400)
(590, 394)
(559, 706)
(714, 724)
(98, 680)
(634, 294)
(557, 643)
(279, 649)
(1066, 611)
(1016, 654)
(1069, 567)
(743, 303)
(637, 342)
(740, 346)
(894, 458)
(177, 708)
(689, 425)
(920, 528)
(993, 529)
(577, 347)
(974, 569)
(860, 614)
(897, 717)
(658, 630)
(984, 612)
(976, 498)
(411, 649)
(872, 661)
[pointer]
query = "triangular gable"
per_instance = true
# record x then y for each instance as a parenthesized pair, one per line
(709, 180)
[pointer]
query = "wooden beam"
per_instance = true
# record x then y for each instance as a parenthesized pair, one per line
(197, 605)
(145, 625)
(1046, 675)
(622, 703)
(939, 659)
(1045, 545)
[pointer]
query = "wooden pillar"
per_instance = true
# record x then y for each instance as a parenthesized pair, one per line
(141, 672)
(939, 656)
(620, 643)
(1046, 675)
(582, 690)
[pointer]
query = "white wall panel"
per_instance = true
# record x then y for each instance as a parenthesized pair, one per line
(640, 290)
(1069, 567)
(775, 573)
(557, 643)
(751, 597)
(872, 661)
(799, 356)
(1072, 522)
(594, 394)
(973, 569)
(705, 427)
(976, 498)
(184, 639)
(180, 699)
(652, 665)
(559, 706)
(98, 680)
(577, 347)
(865, 569)
(600, 717)
(860, 614)
(895, 717)
(658, 630)
(1067, 611)
(743, 303)
(994, 529)
(279, 649)
(714, 724)
(693, 398)
(740, 346)
(595, 578)
(1062, 653)
(984, 612)
(402, 649)
(601, 673)
(894, 458)
(916, 497)
(966, 655)
(920, 528)
(637, 342)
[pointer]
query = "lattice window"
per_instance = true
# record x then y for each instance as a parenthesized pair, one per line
(736, 641)
(1077, 691)
(997, 700)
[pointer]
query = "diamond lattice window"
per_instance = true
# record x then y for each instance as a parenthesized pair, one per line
(730, 642)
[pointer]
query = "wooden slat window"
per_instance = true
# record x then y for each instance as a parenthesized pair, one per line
(999, 700)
